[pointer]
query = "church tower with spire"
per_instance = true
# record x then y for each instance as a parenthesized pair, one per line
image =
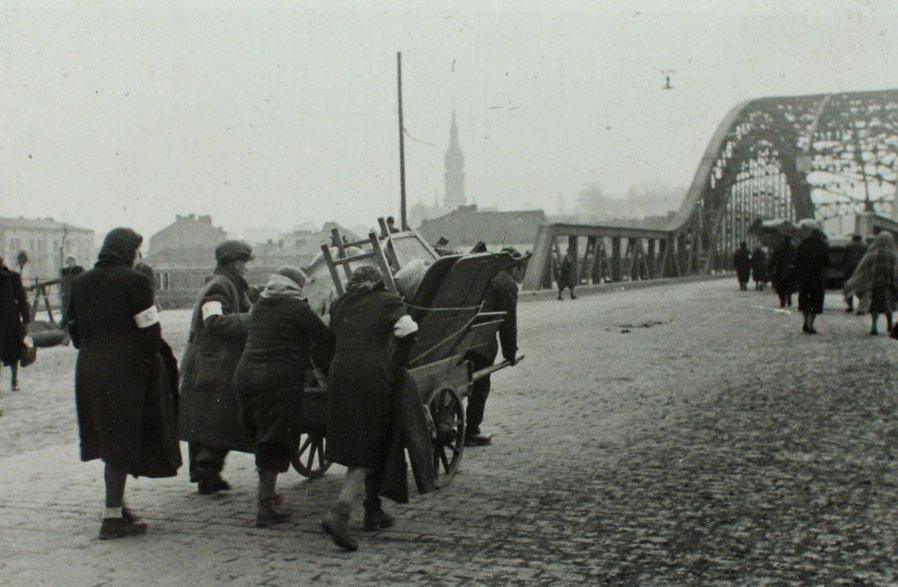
(455, 171)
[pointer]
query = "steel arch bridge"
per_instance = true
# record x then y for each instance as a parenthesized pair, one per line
(796, 157)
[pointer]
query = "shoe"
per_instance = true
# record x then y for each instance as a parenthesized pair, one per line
(811, 331)
(573, 297)
(849, 309)
(120, 528)
(269, 513)
(212, 486)
(860, 312)
(15, 387)
(804, 328)
(873, 332)
(335, 524)
(129, 515)
(477, 439)
(376, 520)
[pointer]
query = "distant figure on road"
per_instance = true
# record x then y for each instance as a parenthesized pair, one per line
(742, 263)
(66, 275)
(210, 411)
(877, 273)
(270, 376)
(566, 277)
(811, 261)
(781, 270)
(854, 252)
(15, 314)
(122, 392)
(501, 296)
(759, 268)
(391, 225)
(366, 320)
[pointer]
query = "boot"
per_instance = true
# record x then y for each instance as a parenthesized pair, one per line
(120, 528)
(377, 519)
(269, 513)
(335, 524)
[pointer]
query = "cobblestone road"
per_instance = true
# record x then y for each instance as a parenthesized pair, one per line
(674, 435)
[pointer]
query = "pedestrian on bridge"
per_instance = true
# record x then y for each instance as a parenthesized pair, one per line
(854, 252)
(567, 275)
(781, 269)
(15, 314)
(282, 331)
(742, 264)
(759, 268)
(210, 411)
(122, 392)
(811, 261)
(877, 273)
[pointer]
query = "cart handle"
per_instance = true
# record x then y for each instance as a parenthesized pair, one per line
(478, 375)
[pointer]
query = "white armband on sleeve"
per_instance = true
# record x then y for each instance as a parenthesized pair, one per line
(147, 318)
(404, 326)
(212, 309)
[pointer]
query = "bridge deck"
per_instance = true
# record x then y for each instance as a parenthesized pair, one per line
(671, 435)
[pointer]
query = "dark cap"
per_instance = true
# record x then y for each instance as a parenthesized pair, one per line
(295, 274)
(516, 257)
(230, 251)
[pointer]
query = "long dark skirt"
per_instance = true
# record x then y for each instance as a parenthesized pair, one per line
(270, 396)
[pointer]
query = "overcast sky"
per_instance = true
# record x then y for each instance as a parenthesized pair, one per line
(115, 114)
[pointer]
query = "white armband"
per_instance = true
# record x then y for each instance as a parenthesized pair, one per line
(212, 309)
(404, 326)
(147, 318)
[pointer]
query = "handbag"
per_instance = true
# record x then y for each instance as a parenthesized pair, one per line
(29, 352)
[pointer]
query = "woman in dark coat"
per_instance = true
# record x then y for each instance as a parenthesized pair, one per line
(367, 320)
(14, 318)
(270, 376)
(811, 261)
(782, 271)
(125, 414)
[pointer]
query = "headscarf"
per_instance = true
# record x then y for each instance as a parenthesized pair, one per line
(365, 279)
(119, 248)
(878, 266)
(286, 282)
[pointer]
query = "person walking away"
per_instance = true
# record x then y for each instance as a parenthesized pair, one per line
(781, 270)
(854, 252)
(15, 314)
(210, 411)
(269, 379)
(501, 296)
(811, 261)
(68, 273)
(877, 274)
(366, 320)
(122, 392)
(566, 276)
(742, 263)
(759, 268)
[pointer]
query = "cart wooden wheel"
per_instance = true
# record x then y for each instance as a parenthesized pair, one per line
(447, 434)
(309, 459)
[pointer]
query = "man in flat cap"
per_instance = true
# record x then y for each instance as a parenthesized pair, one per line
(501, 296)
(210, 414)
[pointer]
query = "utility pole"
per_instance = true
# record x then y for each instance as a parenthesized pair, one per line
(403, 221)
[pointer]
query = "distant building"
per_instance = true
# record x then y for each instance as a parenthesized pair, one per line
(47, 243)
(190, 240)
(467, 225)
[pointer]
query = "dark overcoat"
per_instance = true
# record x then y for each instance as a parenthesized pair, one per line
(781, 267)
(361, 396)
(742, 263)
(501, 296)
(210, 409)
(122, 392)
(271, 372)
(14, 313)
(759, 264)
(811, 261)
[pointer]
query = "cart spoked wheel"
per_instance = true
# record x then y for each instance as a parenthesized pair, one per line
(447, 434)
(309, 459)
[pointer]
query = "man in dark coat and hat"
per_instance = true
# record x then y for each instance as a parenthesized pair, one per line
(501, 296)
(15, 315)
(742, 263)
(210, 410)
(125, 411)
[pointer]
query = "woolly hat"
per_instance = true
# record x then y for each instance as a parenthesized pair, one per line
(294, 274)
